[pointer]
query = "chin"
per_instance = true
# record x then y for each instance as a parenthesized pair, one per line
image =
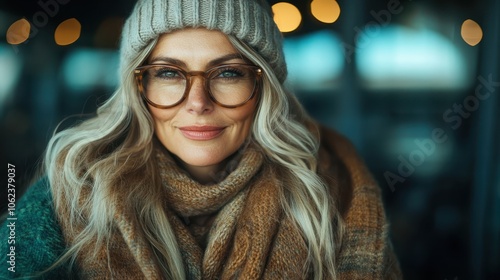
(199, 161)
(199, 158)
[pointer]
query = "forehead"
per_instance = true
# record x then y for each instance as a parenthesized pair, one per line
(193, 46)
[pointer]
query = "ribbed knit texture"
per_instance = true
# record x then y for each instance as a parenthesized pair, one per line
(251, 21)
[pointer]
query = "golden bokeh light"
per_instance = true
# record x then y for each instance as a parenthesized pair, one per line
(327, 11)
(471, 32)
(68, 32)
(18, 32)
(286, 16)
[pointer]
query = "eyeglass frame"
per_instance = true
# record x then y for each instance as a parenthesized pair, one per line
(189, 75)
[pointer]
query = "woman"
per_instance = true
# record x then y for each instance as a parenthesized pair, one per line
(201, 166)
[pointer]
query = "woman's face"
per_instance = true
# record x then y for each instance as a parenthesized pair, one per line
(199, 132)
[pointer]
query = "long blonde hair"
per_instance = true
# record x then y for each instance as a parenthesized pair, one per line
(98, 154)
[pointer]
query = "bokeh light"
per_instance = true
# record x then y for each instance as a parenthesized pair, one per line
(315, 61)
(10, 71)
(94, 68)
(286, 16)
(471, 32)
(18, 32)
(327, 11)
(68, 32)
(407, 58)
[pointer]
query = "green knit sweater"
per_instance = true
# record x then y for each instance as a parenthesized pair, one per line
(37, 236)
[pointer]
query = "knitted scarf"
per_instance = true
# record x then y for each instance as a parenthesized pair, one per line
(250, 236)
(249, 239)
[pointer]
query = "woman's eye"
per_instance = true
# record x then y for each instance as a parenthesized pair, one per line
(229, 73)
(168, 74)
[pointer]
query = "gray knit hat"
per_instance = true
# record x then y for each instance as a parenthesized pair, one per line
(251, 21)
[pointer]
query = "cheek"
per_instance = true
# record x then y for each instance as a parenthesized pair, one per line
(161, 119)
(160, 115)
(244, 117)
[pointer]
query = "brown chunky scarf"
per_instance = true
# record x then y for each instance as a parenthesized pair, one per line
(249, 239)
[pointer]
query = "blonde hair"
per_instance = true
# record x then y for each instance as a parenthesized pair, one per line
(280, 128)
(96, 155)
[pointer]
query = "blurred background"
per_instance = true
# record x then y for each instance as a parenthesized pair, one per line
(413, 83)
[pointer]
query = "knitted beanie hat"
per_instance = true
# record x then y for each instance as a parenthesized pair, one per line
(251, 21)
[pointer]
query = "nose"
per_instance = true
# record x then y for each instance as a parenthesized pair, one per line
(198, 101)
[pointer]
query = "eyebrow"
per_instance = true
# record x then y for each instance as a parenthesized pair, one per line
(211, 63)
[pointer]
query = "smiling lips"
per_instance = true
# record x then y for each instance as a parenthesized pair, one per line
(201, 133)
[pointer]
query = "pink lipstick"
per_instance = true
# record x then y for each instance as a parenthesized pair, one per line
(201, 133)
